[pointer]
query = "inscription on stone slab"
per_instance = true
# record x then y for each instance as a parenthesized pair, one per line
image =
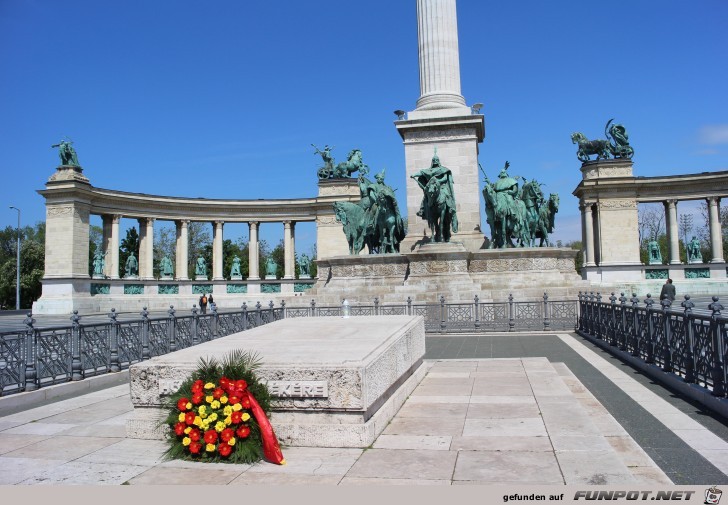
(281, 389)
(299, 389)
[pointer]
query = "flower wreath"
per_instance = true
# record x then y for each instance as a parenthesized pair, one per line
(219, 414)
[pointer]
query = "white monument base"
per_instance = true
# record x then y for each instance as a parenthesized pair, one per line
(336, 382)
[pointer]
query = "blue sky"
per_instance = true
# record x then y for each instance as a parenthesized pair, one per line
(223, 99)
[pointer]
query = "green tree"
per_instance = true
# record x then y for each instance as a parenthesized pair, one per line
(279, 256)
(165, 244)
(200, 239)
(579, 260)
(32, 261)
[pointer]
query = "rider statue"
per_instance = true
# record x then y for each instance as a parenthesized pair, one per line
(438, 200)
(328, 167)
(384, 226)
(67, 154)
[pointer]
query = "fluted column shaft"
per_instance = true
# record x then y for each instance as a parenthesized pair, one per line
(114, 244)
(289, 268)
(672, 233)
(253, 251)
(587, 219)
(716, 236)
(437, 36)
(182, 250)
(217, 273)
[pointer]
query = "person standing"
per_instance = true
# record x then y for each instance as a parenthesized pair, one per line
(211, 302)
(668, 291)
(203, 304)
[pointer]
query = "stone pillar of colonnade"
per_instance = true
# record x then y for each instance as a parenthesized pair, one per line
(253, 252)
(289, 261)
(588, 223)
(106, 243)
(146, 248)
(114, 245)
(217, 264)
(672, 231)
(182, 250)
(716, 237)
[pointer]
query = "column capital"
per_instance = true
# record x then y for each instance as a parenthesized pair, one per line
(712, 200)
(218, 223)
(115, 218)
(671, 202)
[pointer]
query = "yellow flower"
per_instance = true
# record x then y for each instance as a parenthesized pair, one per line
(231, 441)
(237, 407)
(213, 417)
(246, 416)
(210, 399)
(197, 421)
(186, 441)
(228, 421)
(205, 424)
(202, 410)
(227, 410)
(209, 385)
(187, 430)
(223, 399)
(210, 447)
(189, 405)
(219, 426)
(181, 417)
(215, 404)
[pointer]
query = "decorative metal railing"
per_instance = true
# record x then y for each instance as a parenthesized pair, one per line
(35, 357)
(691, 345)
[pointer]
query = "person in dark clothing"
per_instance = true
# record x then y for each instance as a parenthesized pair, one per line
(203, 304)
(668, 291)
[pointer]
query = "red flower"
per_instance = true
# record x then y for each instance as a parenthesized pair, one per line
(241, 385)
(182, 404)
(217, 393)
(197, 386)
(225, 383)
(179, 428)
(210, 436)
(245, 402)
(197, 398)
(227, 434)
(195, 447)
(224, 450)
(243, 431)
(194, 435)
(236, 417)
(190, 417)
(232, 400)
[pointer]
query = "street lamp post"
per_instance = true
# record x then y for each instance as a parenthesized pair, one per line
(17, 266)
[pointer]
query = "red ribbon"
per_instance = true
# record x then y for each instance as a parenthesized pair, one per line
(271, 448)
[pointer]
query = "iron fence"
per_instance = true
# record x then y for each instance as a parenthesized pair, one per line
(35, 357)
(690, 345)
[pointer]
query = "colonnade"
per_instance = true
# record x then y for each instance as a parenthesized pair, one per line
(111, 243)
(591, 228)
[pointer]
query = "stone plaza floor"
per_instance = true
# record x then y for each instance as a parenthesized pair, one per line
(544, 408)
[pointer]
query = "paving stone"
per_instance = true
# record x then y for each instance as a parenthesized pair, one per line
(129, 451)
(404, 464)
(593, 468)
(580, 442)
(490, 467)
(164, 475)
(17, 469)
(63, 448)
(503, 399)
(10, 442)
(86, 474)
(486, 389)
(312, 461)
(285, 479)
(502, 410)
(434, 425)
(453, 390)
(96, 430)
(519, 427)
(629, 451)
(437, 443)
(457, 410)
(650, 475)
(439, 399)
(502, 443)
(362, 481)
(39, 429)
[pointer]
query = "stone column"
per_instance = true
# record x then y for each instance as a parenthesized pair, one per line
(106, 243)
(217, 264)
(114, 259)
(182, 250)
(437, 37)
(672, 233)
(289, 268)
(146, 248)
(716, 237)
(253, 271)
(588, 221)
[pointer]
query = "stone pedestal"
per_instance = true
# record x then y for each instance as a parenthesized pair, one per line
(330, 238)
(236, 277)
(336, 382)
(201, 278)
(271, 277)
